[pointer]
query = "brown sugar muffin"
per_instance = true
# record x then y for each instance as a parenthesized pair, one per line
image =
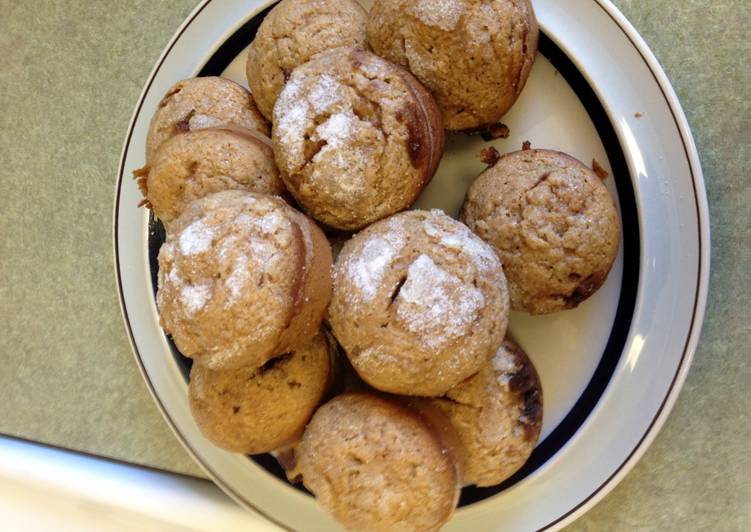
(255, 410)
(201, 162)
(419, 303)
(473, 55)
(497, 414)
(356, 138)
(377, 466)
(292, 33)
(553, 223)
(198, 103)
(243, 277)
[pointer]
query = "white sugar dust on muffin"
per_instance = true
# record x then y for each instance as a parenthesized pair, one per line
(356, 138)
(243, 277)
(419, 303)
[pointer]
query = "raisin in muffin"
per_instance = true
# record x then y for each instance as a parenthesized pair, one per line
(497, 415)
(198, 103)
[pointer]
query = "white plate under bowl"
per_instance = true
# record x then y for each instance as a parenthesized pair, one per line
(611, 369)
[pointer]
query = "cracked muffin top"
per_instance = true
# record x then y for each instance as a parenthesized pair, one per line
(198, 103)
(255, 410)
(419, 303)
(292, 33)
(356, 138)
(201, 162)
(473, 55)
(553, 223)
(243, 277)
(497, 415)
(377, 466)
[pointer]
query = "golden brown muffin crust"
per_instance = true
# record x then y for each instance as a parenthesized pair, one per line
(255, 410)
(473, 55)
(198, 103)
(356, 138)
(419, 303)
(552, 221)
(240, 279)
(201, 162)
(376, 466)
(292, 33)
(497, 414)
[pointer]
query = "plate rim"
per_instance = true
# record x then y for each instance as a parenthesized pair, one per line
(700, 299)
(702, 282)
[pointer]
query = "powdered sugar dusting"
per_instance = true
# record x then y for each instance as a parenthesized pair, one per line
(351, 160)
(237, 279)
(198, 121)
(369, 267)
(226, 248)
(196, 238)
(291, 116)
(504, 364)
(261, 251)
(270, 222)
(462, 239)
(435, 304)
(420, 61)
(194, 297)
(325, 93)
(443, 14)
(167, 251)
(198, 385)
(336, 130)
(230, 250)
(482, 254)
(219, 355)
(249, 258)
(477, 27)
(317, 110)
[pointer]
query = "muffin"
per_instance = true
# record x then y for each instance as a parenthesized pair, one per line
(198, 103)
(419, 303)
(497, 415)
(473, 55)
(243, 277)
(255, 410)
(553, 223)
(356, 138)
(376, 465)
(292, 33)
(201, 162)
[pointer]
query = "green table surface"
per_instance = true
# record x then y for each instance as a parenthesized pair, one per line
(70, 74)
